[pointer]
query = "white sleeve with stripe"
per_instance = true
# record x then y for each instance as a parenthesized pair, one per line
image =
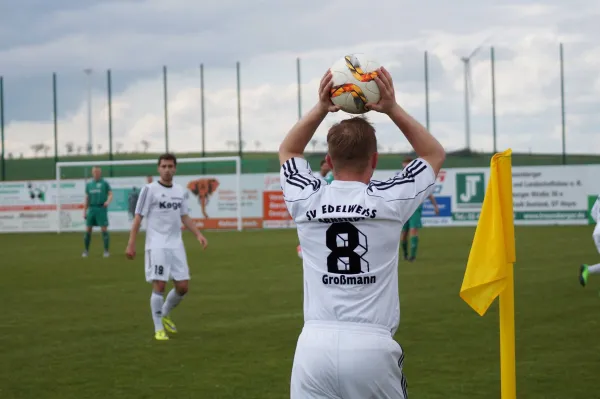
(596, 210)
(298, 184)
(143, 204)
(407, 190)
(185, 209)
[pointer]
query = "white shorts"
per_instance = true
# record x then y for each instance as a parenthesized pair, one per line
(596, 236)
(347, 361)
(166, 264)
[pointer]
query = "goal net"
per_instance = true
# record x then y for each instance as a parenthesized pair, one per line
(213, 187)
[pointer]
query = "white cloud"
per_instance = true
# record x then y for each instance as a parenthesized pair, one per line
(142, 36)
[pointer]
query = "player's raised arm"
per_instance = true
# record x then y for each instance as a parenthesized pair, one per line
(299, 136)
(424, 144)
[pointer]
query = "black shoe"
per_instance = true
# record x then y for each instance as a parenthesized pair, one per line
(412, 259)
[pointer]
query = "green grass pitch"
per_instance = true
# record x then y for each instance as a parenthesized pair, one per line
(74, 328)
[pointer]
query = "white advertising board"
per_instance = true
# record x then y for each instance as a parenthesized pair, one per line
(542, 195)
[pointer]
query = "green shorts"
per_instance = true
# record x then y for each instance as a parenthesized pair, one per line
(96, 216)
(414, 222)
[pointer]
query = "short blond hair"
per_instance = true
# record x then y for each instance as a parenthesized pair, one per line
(351, 143)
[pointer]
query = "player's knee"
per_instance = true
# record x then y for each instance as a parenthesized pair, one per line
(181, 287)
(158, 286)
(414, 232)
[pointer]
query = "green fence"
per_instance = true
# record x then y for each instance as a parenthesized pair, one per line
(44, 168)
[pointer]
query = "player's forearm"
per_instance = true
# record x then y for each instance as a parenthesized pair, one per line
(433, 201)
(135, 228)
(299, 136)
(190, 225)
(110, 197)
(423, 142)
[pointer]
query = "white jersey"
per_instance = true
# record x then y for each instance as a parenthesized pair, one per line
(595, 213)
(350, 237)
(319, 176)
(325, 179)
(162, 206)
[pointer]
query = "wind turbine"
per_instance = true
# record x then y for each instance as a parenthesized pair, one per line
(468, 94)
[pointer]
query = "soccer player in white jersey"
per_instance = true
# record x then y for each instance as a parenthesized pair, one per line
(350, 235)
(585, 270)
(164, 205)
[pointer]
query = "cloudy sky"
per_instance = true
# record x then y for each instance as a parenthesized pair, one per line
(135, 38)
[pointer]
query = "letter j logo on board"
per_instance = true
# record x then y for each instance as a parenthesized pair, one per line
(470, 188)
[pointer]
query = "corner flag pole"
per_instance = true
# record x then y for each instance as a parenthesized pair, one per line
(508, 372)
(490, 273)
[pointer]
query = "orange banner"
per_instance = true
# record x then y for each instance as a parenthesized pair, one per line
(274, 206)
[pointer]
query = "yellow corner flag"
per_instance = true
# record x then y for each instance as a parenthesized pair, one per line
(489, 270)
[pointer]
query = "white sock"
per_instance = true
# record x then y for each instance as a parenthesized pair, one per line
(156, 304)
(173, 299)
(594, 269)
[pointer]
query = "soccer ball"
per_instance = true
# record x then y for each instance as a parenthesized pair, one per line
(354, 84)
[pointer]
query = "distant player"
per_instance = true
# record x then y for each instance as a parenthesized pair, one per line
(412, 226)
(203, 189)
(349, 232)
(132, 199)
(585, 270)
(325, 172)
(164, 205)
(98, 196)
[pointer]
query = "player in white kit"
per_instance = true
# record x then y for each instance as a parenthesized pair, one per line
(585, 270)
(350, 236)
(164, 205)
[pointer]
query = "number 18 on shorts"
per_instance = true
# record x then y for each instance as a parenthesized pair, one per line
(165, 264)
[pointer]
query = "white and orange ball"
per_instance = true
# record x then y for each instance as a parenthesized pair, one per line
(354, 84)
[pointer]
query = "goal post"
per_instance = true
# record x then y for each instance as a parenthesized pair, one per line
(70, 186)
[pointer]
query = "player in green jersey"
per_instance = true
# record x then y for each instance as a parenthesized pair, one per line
(325, 173)
(412, 226)
(98, 196)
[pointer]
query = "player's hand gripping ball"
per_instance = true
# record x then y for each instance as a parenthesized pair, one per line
(354, 84)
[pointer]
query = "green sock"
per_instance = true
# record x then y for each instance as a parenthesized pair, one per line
(414, 243)
(86, 240)
(404, 244)
(105, 238)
